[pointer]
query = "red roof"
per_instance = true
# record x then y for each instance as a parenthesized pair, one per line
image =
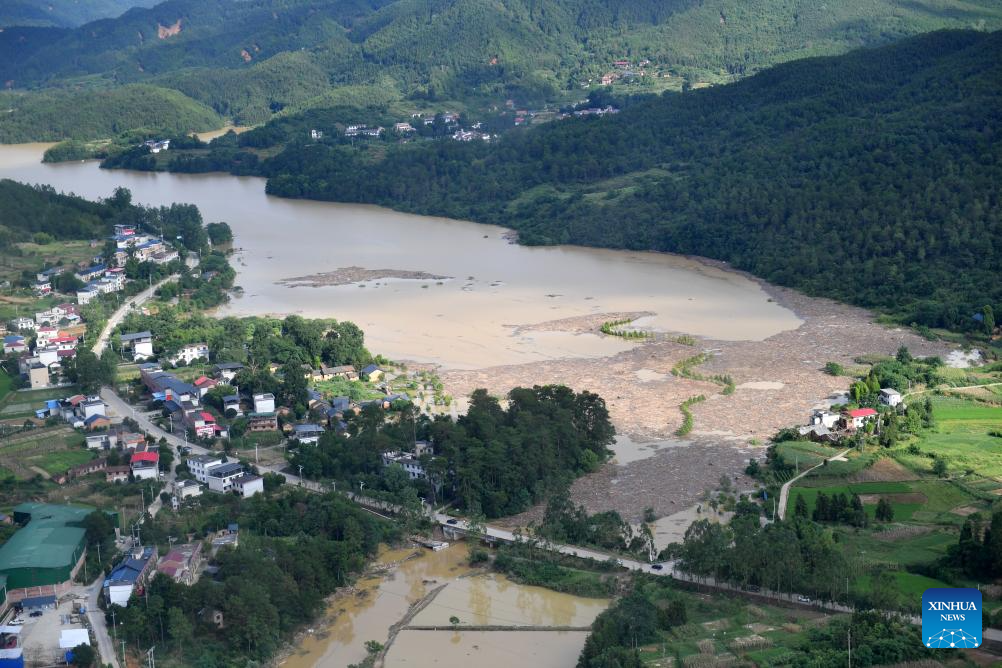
(145, 457)
(66, 353)
(208, 417)
(204, 380)
(862, 412)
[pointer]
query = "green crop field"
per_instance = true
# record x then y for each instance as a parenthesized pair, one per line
(925, 501)
(961, 438)
(908, 583)
(899, 547)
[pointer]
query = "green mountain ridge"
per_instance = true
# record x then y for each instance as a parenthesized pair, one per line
(870, 177)
(63, 13)
(251, 59)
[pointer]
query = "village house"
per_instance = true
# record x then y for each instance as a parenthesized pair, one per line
(247, 485)
(117, 474)
(345, 371)
(307, 433)
(231, 402)
(257, 422)
(95, 422)
(825, 417)
(157, 145)
(403, 128)
(372, 373)
(408, 461)
(856, 419)
(264, 403)
(220, 478)
(131, 575)
(98, 442)
(182, 563)
(890, 397)
(14, 343)
(203, 384)
(87, 468)
(191, 352)
(23, 324)
(145, 465)
(184, 489)
(141, 344)
(38, 376)
(227, 371)
(199, 466)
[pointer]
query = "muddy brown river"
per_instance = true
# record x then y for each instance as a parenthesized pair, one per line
(467, 320)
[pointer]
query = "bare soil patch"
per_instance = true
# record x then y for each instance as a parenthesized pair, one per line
(784, 376)
(901, 532)
(349, 275)
(905, 497)
(884, 470)
(580, 324)
(964, 511)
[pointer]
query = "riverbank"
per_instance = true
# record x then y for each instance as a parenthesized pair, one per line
(778, 381)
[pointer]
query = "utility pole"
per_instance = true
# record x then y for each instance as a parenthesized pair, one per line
(149, 658)
(849, 632)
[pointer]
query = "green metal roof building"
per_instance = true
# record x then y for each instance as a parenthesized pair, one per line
(46, 549)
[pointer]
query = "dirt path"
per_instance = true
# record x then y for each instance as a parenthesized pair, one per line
(784, 493)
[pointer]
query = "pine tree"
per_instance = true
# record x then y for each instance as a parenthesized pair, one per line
(800, 507)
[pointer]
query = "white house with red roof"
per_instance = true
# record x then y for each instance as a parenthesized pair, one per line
(203, 384)
(855, 419)
(145, 465)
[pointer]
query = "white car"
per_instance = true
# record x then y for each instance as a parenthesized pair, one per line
(803, 599)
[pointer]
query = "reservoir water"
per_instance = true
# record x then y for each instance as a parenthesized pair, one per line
(478, 287)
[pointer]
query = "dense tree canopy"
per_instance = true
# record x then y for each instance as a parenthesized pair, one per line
(495, 461)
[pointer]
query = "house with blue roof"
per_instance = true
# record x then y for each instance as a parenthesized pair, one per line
(130, 576)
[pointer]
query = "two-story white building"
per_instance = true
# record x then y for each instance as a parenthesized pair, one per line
(264, 403)
(191, 352)
(200, 465)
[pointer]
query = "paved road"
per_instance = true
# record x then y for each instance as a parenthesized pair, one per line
(116, 318)
(95, 616)
(784, 493)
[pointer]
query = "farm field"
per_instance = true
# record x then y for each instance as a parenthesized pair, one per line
(961, 437)
(46, 452)
(719, 629)
(24, 404)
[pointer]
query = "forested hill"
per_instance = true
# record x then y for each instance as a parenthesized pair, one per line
(871, 177)
(63, 13)
(248, 60)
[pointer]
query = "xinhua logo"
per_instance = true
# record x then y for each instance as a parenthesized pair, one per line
(951, 618)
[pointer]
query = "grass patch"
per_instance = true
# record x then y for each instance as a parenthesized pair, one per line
(55, 463)
(905, 551)
(961, 437)
(909, 584)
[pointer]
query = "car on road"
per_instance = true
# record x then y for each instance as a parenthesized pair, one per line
(36, 613)
(657, 567)
(803, 599)
(452, 521)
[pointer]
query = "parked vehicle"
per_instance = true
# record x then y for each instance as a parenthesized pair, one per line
(36, 613)
(452, 521)
(657, 567)
(803, 599)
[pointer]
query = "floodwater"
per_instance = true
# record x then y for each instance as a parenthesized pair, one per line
(478, 599)
(465, 321)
